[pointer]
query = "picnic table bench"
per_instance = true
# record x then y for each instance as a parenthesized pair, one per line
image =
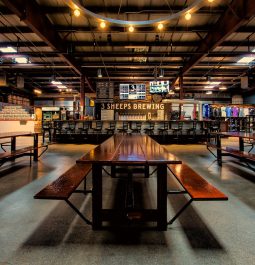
(194, 185)
(65, 185)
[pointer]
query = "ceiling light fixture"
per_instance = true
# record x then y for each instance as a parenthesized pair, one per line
(21, 60)
(102, 25)
(62, 86)
(161, 73)
(246, 59)
(76, 12)
(187, 16)
(99, 73)
(131, 29)
(222, 88)
(177, 87)
(215, 83)
(53, 82)
(8, 49)
(37, 91)
(210, 1)
(160, 26)
(208, 92)
(211, 86)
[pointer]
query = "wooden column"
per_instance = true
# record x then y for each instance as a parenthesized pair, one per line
(181, 86)
(82, 99)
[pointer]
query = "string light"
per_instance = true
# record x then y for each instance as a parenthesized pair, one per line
(160, 26)
(188, 16)
(131, 29)
(102, 25)
(77, 12)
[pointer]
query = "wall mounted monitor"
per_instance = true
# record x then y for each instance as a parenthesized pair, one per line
(132, 91)
(159, 87)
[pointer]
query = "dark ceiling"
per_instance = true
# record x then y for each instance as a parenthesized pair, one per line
(66, 47)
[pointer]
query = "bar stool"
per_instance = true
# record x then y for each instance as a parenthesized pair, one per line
(98, 128)
(178, 130)
(164, 129)
(84, 129)
(112, 127)
(124, 128)
(150, 130)
(137, 128)
(192, 130)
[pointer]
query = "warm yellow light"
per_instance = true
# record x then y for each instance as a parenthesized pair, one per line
(188, 16)
(131, 29)
(37, 91)
(210, 1)
(77, 12)
(160, 26)
(222, 88)
(102, 25)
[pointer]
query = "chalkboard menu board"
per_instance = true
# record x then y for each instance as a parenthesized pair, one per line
(105, 90)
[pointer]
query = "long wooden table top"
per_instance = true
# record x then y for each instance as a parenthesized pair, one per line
(129, 149)
(239, 134)
(16, 134)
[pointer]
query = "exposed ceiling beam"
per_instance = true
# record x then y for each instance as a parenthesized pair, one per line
(31, 14)
(118, 29)
(162, 9)
(238, 13)
(131, 44)
(125, 54)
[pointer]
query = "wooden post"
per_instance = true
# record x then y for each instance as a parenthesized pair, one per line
(82, 99)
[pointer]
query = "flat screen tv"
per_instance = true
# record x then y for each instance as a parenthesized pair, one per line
(159, 87)
(132, 91)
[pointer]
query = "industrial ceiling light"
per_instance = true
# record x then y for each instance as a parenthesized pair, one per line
(54, 82)
(160, 26)
(131, 29)
(99, 72)
(21, 60)
(211, 86)
(208, 92)
(177, 87)
(215, 83)
(246, 59)
(37, 91)
(188, 16)
(161, 73)
(62, 86)
(102, 24)
(222, 88)
(8, 49)
(76, 12)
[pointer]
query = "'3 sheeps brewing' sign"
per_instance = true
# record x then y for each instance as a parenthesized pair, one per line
(132, 106)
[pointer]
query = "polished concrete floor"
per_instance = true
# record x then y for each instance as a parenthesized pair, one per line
(49, 232)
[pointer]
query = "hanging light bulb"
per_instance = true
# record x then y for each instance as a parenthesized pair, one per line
(188, 16)
(160, 26)
(131, 29)
(102, 25)
(99, 72)
(161, 73)
(77, 12)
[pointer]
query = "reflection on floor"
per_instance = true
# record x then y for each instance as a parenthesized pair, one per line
(48, 232)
